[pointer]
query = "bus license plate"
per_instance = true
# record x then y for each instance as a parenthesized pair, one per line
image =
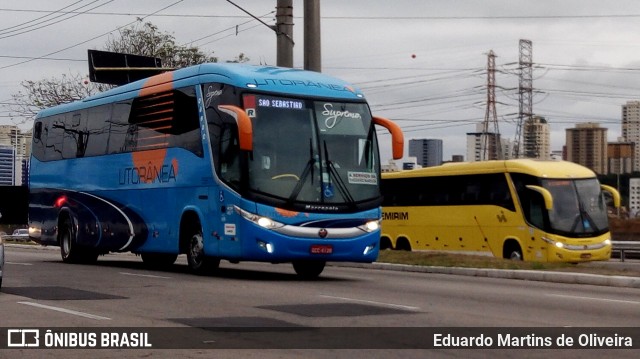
(585, 255)
(321, 249)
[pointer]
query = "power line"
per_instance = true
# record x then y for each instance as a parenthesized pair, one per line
(392, 18)
(2, 31)
(35, 26)
(91, 39)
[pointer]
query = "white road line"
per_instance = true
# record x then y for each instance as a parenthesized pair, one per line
(68, 311)
(144, 275)
(593, 298)
(20, 264)
(407, 307)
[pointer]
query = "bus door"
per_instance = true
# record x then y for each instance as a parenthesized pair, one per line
(229, 170)
(229, 244)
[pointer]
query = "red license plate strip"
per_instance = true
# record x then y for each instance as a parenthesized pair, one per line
(321, 249)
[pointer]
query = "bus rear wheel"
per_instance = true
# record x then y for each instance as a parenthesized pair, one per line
(402, 244)
(198, 261)
(308, 269)
(70, 251)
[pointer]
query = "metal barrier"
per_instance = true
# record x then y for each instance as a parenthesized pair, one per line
(13, 238)
(624, 246)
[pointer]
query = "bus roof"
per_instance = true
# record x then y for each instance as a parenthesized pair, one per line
(538, 168)
(285, 81)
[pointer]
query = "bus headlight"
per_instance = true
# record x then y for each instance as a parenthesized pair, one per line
(263, 222)
(370, 226)
(607, 242)
(559, 244)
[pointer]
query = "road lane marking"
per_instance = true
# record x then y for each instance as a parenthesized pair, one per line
(407, 307)
(144, 275)
(63, 310)
(19, 264)
(594, 298)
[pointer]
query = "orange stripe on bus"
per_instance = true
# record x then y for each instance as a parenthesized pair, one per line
(157, 83)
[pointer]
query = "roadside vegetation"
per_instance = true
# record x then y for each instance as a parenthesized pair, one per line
(450, 259)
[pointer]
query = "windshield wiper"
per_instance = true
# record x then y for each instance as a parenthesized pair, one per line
(308, 169)
(331, 169)
(585, 218)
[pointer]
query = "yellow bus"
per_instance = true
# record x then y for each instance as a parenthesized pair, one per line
(545, 211)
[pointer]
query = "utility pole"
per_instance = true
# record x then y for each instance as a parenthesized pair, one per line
(312, 58)
(284, 33)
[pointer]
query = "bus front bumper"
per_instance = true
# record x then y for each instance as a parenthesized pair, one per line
(562, 252)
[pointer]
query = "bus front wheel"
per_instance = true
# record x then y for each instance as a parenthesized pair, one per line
(308, 269)
(512, 251)
(198, 261)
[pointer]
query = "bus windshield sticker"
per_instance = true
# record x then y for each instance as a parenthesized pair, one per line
(362, 178)
(250, 105)
(333, 117)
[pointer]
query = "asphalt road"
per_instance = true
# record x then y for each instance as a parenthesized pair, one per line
(370, 308)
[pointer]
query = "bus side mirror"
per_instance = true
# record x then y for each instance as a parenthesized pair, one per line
(245, 128)
(548, 198)
(397, 138)
(614, 194)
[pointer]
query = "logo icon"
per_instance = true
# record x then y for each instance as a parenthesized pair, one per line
(23, 338)
(323, 233)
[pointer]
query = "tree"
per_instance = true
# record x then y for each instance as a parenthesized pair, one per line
(139, 39)
(145, 39)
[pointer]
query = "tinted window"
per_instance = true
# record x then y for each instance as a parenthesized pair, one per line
(489, 189)
(168, 119)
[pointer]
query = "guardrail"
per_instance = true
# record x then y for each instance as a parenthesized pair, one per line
(9, 237)
(625, 246)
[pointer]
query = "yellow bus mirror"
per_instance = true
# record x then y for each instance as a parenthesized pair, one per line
(548, 198)
(397, 138)
(245, 128)
(614, 194)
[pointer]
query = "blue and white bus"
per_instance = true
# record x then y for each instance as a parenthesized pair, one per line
(215, 161)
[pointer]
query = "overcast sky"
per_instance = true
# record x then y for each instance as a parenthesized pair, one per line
(586, 53)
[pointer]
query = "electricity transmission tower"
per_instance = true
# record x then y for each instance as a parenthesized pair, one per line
(491, 146)
(525, 92)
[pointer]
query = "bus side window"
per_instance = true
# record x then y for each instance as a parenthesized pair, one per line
(532, 202)
(536, 210)
(229, 155)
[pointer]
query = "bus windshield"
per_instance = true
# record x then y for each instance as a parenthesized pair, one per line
(578, 206)
(316, 153)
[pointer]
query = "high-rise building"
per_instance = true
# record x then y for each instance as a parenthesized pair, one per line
(536, 139)
(620, 156)
(7, 171)
(19, 144)
(587, 145)
(631, 129)
(428, 152)
(476, 142)
(634, 197)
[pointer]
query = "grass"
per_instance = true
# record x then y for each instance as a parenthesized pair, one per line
(452, 259)
(449, 259)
